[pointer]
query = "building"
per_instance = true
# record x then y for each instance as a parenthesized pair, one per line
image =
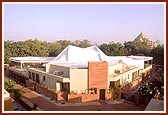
(143, 38)
(79, 70)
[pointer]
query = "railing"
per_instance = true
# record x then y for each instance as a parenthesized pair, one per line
(148, 67)
(59, 78)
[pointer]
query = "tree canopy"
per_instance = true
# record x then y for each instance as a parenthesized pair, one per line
(112, 49)
(43, 49)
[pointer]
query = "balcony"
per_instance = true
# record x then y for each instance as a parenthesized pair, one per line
(147, 65)
(117, 75)
(18, 70)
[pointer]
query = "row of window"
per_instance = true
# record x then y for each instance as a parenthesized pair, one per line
(135, 75)
(35, 77)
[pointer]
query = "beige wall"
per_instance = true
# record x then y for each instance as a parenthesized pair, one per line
(78, 80)
(124, 79)
(50, 80)
(112, 68)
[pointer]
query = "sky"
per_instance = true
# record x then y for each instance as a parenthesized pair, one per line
(98, 23)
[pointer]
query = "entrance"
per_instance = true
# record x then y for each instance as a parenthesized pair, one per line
(102, 94)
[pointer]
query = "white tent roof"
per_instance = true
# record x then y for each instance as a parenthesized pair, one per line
(73, 54)
(76, 54)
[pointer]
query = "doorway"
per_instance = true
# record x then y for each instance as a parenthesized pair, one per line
(102, 94)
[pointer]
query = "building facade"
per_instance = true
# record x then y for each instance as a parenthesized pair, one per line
(81, 70)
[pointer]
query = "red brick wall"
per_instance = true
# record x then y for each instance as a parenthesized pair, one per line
(41, 89)
(98, 75)
(83, 98)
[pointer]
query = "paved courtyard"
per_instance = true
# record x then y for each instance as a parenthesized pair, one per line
(46, 104)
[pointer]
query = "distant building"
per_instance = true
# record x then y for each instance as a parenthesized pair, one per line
(81, 69)
(143, 38)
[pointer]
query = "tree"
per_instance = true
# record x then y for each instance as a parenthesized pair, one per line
(7, 50)
(137, 48)
(112, 49)
(9, 86)
(54, 49)
(24, 48)
(114, 90)
(158, 55)
(153, 89)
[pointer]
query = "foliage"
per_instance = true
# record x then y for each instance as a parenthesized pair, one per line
(34, 105)
(93, 90)
(9, 86)
(158, 55)
(153, 89)
(24, 48)
(38, 48)
(17, 92)
(114, 90)
(8, 50)
(136, 48)
(112, 49)
(42, 49)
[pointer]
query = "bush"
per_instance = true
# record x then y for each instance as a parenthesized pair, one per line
(9, 86)
(34, 105)
(17, 92)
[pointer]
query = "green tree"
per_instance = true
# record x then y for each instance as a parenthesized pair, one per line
(158, 55)
(137, 48)
(112, 49)
(54, 49)
(114, 90)
(7, 50)
(153, 89)
(9, 85)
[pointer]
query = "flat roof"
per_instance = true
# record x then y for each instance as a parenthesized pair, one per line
(81, 65)
(31, 59)
(142, 58)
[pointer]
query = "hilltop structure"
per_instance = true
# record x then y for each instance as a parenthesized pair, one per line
(143, 38)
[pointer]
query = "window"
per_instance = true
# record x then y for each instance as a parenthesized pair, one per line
(29, 75)
(37, 78)
(128, 76)
(138, 72)
(117, 71)
(33, 75)
(44, 78)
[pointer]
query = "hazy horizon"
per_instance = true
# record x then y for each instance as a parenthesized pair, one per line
(99, 23)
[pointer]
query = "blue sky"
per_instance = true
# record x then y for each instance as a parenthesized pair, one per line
(100, 23)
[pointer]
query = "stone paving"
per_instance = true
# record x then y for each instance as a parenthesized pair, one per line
(17, 106)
